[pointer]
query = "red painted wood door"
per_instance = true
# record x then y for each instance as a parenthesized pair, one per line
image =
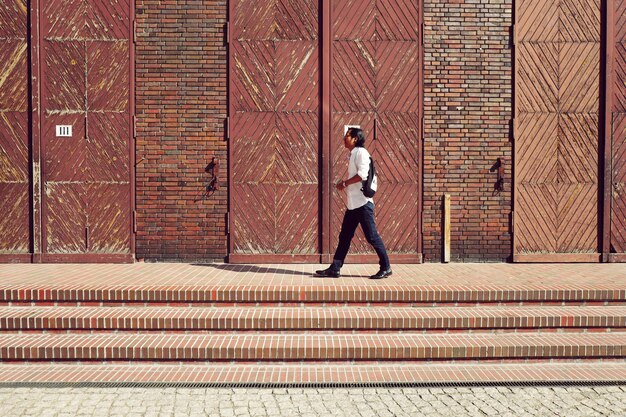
(618, 142)
(375, 71)
(557, 104)
(274, 133)
(85, 66)
(283, 207)
(15, 240)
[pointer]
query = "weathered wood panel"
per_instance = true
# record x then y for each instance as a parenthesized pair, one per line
(14, 139)
(375, 83)
(618, 146)
(557, 128)
(86, 84)
(274, 137)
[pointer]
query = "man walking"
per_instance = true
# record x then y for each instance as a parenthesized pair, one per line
(360, 209)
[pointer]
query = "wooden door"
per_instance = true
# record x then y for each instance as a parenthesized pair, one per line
(15, 238)
(375, 80)
(617, 187)
(85, 65)
(274, 131)
(557, 93)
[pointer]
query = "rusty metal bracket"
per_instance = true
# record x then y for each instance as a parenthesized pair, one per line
(499, 168)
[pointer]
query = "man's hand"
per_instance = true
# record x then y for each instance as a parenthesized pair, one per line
(340, 185)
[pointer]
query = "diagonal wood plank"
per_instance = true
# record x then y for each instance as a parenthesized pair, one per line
(618, 203)
(397, 78)
(14, 75)
(537, 77)
(579, 77)
(254, 76)
(536, 148)
(354, 76)
(577, 214)
(578, 149)
(579, 20)
(297, 76)
(537, 21)
(108, 217)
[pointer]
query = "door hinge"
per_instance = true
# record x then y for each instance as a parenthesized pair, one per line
(512, 222)
(227, 32)
(134, 221)
(227, 136)
(134, 126)
(134, 31)
(513, 129)
(422, 34)
(228, 222)
(513, 35)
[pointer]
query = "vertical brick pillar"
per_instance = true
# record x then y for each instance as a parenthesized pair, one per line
(181, 106)
(467, 111)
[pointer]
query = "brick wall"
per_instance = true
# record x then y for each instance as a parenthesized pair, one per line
(467, 111)
(181, 105)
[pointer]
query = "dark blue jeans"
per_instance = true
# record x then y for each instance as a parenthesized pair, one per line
(365, 217)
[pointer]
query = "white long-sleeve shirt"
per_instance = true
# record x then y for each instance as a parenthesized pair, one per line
(359, 164)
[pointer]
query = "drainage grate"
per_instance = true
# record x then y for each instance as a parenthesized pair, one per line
(270, 385)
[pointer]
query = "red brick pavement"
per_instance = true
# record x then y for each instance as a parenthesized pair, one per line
(294, 283)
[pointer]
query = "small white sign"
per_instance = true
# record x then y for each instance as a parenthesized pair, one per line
(346, 127)
(64, 131)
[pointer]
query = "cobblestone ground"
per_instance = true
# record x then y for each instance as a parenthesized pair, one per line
(353, 402)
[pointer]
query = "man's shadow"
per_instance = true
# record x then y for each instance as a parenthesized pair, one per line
(265, 270)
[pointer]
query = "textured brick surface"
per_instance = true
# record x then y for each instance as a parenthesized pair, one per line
(467, 114)
(312, 318)
(319, 373)
(181, 106)
(427, 283)
(299, 347)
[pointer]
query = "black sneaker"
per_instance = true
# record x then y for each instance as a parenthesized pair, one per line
(382, 274)
(328, 272)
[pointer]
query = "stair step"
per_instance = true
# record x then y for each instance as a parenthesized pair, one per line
(306, 374)
(310, 318)
(310, 294)
(307, 347)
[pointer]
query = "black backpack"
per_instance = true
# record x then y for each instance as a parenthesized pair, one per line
(371, 183)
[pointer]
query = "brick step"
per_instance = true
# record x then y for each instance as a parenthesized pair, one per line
(567, 372)
(309, 318)
(315, 294)
(307, 347)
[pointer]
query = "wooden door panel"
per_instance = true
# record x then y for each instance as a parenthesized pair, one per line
(536, 220)
(579, 20)
(618, 185)
(354, 76)
(619, 95)
(354, 19)
(274, 140)
(108, 217)
(108, 76)
(15, 184)
(579, 77)
(397, 20)
(86, 84)
(537, 78)
(65, 158)
(253, 72)
(557, 96)
(577, 214)
(397, 82)
(537, 20)
(65, 218)
(578, 149)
